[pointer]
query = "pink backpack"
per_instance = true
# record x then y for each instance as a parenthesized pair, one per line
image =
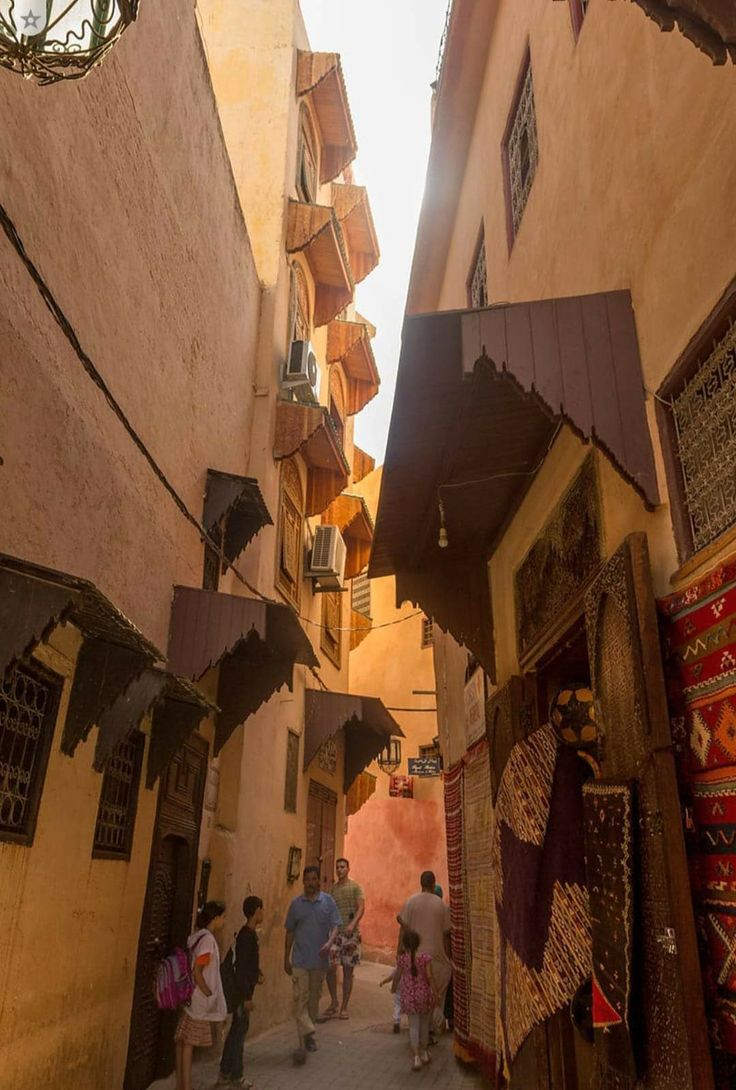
(173, 984)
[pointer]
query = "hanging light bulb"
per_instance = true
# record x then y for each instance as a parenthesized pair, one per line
(443, 540)
(49, 40)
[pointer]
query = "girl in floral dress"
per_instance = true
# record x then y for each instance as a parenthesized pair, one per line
(414, 981)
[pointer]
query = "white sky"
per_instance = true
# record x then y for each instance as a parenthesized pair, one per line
(389, 53)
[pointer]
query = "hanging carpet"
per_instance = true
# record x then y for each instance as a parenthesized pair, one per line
(544, 946)
(477, 841)
(453, 783)
(699, 628)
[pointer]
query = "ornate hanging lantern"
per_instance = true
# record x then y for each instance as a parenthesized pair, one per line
(49, 40)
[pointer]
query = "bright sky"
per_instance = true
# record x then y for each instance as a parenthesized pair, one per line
(389, 54)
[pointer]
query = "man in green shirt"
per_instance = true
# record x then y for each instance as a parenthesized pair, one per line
(348, 896)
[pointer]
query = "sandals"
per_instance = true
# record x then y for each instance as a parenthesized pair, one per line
(343, 1016)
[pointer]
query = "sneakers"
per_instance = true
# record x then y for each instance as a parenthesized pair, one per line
(397, 1027)
(416, 1064)
(425, 1057)
(309, 1043)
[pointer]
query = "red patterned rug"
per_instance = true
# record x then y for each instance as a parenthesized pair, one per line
(699, 628)
(453, 782)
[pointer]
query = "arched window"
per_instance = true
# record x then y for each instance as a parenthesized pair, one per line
(307, 159)
(300, 325)
(337, 402)
(290, 533)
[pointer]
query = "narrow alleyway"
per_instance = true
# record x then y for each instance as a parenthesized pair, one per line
(357, 1055)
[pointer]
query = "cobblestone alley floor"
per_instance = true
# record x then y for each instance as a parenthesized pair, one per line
(361, 1054)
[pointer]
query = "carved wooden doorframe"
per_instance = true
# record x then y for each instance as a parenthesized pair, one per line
(168, 906)
(626, 668)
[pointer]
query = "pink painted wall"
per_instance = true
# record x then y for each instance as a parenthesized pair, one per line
(389, 843)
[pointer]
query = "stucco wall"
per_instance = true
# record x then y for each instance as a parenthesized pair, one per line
(122, 193)
(147, 253)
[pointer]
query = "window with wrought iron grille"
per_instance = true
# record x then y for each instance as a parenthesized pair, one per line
(477, 285)
(119, 799)
(520, 150)
(331, 637)
(29, 699)
(361, 595)
(704, 420)
(290, 533)
(427, 632)
(292, 772)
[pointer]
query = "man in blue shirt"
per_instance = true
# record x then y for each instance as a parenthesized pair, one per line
(311, 926)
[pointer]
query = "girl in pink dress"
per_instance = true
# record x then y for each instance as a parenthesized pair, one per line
(415, 984)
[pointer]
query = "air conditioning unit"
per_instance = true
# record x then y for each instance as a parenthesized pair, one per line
(327, 559)
(300, 373)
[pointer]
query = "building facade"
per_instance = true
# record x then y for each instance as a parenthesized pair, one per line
(558, 484)
(176, 720)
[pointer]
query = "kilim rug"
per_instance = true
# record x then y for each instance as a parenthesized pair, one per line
(544, 948)
(453, 783)
(477, 843)
(609, 862)
(700, 648)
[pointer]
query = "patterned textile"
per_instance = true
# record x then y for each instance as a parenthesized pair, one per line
(415, 991)
(453, 783)
(700, 644)
(477, 840)
(544, 946)
(609, 859)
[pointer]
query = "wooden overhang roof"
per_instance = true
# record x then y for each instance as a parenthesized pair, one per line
(363, 464)
(349, 343)
(479, 397)
(256, 644)
(34, 600)
(356, 219)
(319, 76)
(176, 707)
(237, 503)
(351, 515)
(308, 430)
(314, 230)
(366, 723)
(709, 24)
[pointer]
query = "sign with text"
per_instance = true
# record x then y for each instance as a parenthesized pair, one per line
(425, 766)
(475, 707)
(401, 787)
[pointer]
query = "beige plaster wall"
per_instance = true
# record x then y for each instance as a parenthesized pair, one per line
(69, 923)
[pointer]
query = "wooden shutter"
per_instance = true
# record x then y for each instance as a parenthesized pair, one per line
(626, 669)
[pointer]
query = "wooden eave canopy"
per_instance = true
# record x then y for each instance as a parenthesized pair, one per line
(479, 397)
(709, 24)
(308, 430)
(349, 343)
(319, 76)
(255, 643)
(352, 517)
(34, 600)
(366, 723)
(313, 229)
(236, 503)
(363, 464)
(354, 213)
(176, 708)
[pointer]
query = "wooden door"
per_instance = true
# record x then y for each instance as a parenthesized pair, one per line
(321, 828)
(626, 669)
(167, 912)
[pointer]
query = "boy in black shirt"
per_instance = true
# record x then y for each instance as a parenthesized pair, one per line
(240, 974)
